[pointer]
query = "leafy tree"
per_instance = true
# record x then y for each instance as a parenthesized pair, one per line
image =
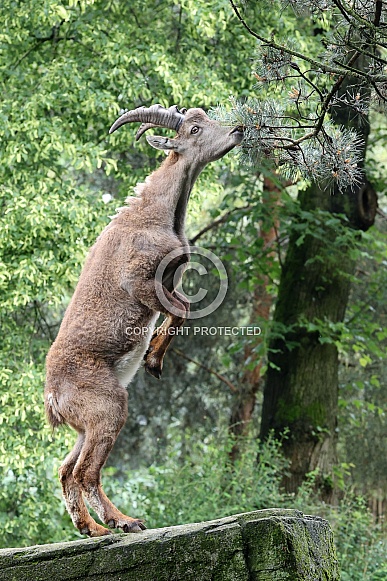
(67, 69)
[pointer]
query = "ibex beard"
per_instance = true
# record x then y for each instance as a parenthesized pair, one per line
(93, 358)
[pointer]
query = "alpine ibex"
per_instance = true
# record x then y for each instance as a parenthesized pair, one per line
(96, 354)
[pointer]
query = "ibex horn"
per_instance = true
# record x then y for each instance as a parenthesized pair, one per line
(154, 116)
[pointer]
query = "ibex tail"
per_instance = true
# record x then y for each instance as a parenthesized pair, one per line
(52, 410)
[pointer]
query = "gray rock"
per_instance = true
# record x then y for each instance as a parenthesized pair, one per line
(266, 545)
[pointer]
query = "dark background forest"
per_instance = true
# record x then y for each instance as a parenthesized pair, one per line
(292, 417)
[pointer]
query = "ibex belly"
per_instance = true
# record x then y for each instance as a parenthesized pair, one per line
(126, 366)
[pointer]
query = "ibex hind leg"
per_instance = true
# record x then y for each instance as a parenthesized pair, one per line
(110, 411)
(72, 494)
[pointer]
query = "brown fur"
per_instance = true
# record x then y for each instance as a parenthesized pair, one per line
(94, 356)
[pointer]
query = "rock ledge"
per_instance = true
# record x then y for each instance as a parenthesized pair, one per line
(265, 545)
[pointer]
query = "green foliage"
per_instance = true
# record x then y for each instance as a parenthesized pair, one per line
(362, 548)
(362, 398)
(31, 509)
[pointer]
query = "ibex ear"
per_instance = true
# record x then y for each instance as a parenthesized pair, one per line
(162, 142)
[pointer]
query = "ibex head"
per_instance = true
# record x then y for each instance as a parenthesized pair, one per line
(199, 139)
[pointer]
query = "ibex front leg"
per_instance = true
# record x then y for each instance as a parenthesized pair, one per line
(162, 338)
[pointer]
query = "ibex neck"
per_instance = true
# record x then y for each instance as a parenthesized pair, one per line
(187, 179)
(166, 192)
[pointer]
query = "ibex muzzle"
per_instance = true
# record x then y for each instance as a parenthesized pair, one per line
(98, 348)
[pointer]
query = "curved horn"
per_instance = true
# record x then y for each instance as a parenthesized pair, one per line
(154, 116)
(145, 126)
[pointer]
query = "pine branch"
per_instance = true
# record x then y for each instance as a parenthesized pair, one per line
(342, 10)
(317, 65)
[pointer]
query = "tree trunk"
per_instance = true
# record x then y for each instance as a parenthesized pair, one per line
(301, 388)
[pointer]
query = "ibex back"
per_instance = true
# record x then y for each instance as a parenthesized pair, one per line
(95, 354)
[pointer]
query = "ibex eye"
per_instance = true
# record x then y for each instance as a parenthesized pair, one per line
(194, 129)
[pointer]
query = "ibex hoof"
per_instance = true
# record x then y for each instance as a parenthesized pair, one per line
(95, 531)
(155, 371)
(132, 526)
(135, 527)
